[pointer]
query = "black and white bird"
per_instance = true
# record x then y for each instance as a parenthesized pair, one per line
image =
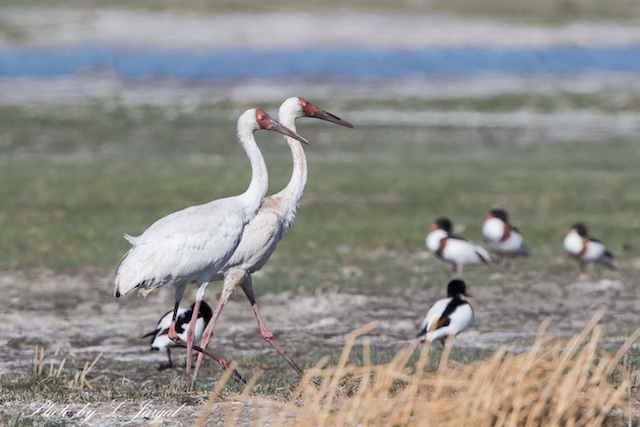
(502, 238)
(161, 340)
(448, 316)
(454, 249)
(586, 250)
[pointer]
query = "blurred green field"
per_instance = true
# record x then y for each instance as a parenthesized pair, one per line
(76, 178)
(540, 11)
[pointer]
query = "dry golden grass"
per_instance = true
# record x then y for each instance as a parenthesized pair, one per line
(78, 381)
(555, 383)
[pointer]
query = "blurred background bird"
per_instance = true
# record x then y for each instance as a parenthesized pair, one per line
(586, 250)
(502, 238)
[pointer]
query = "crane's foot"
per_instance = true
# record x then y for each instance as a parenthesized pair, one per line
(224, 363)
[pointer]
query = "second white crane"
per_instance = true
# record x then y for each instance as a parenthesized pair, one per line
(194, 244)
(263, 233)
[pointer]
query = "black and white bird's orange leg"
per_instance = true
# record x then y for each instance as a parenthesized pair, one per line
(585, 276)
(457, 270)
(227, 289)
(247, 287)
(589, 271)
(168, 365)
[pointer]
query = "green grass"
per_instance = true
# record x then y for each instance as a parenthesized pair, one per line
(75, 179)
(550, 12)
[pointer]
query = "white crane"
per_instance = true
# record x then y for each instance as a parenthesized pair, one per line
(192, 245)
(263, 233)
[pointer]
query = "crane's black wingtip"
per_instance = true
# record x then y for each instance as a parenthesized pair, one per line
(118, 294)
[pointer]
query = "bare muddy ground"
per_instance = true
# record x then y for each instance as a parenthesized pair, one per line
(78, 317)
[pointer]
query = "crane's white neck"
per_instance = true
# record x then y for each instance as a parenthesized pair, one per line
(257, 191)
(290, 196)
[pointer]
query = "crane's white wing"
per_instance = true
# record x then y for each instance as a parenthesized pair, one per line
(184, 246)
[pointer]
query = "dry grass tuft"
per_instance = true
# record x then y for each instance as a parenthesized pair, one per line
(78, 381)
(555, 383)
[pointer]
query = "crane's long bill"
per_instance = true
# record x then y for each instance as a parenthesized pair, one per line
(319, 113)
(277, 127)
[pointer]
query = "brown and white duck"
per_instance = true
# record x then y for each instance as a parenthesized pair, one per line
(502, 238)
(454, 249)
(586, 250)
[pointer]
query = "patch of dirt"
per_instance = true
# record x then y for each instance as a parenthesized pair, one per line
(78, 315)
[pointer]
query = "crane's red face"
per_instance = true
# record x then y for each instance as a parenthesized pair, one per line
(267, 123)
(311, 110)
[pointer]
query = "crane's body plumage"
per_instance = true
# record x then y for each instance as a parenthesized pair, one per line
(190, 245)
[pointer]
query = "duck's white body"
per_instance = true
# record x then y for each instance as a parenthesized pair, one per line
(458, 252)
(448, 316)
(586, 250)
(458, 321)
(502, 238)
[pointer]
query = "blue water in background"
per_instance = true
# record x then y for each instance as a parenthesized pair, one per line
(348, 64)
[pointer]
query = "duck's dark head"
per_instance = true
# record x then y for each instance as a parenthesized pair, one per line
(456, 288)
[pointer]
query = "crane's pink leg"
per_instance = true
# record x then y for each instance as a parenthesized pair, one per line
(173, 336)
(191, 337)
(247, 287)
(230, 284)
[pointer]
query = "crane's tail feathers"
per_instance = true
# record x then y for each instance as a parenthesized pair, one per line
(130, 239)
